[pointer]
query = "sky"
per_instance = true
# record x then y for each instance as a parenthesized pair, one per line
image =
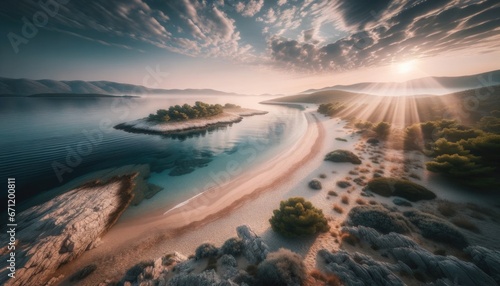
(248, 46)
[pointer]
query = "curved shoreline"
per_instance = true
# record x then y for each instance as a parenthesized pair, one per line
(150, 231)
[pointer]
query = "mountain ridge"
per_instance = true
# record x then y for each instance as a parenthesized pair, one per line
(26, 87)
(436, 85)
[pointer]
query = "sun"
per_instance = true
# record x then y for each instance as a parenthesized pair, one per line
(406, 66)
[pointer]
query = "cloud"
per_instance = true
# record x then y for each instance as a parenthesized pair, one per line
(189, 27)
(386, 31)
(250, 9)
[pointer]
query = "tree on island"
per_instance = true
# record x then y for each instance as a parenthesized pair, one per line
(298, 217)
(186, 112)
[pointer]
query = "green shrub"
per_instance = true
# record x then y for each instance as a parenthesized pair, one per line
(411, 191)
(330, 109)
(382, 129)
(185, 112)
(298, 217)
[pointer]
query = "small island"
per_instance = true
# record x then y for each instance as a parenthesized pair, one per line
(186, 118)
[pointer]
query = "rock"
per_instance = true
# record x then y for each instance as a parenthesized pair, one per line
(377, 217)
(358, 269)
(205, 278)
(486, 259)
(60, 230)
(401, 202)
(373, 141)
(387, 187)
(340, 156)
(343, 184)
(437, 229)
(380, 241)
(315, 184)
(255, 249)
(409, 258)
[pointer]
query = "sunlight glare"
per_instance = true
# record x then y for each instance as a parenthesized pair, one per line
(406, 67)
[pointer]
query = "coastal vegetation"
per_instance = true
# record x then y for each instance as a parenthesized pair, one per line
(468, 154)
(387, 187)
(330, 109)
(282, 267)
(186, 112)
(298, 217)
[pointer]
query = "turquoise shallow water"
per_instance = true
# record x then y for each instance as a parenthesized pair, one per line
(41, 135)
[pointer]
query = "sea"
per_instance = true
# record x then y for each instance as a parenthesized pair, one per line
(47, 142)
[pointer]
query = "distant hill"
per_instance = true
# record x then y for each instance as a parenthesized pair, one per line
(426, 85)
(24, 87)
(467, 105)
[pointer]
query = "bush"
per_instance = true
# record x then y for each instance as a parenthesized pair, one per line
(282, 267)
(330, 109)
(205, 250)
(232, 246)
(230, 105)
(136, 270)
(315, 184)
(437, 229)
(379, 218)
(387, 187)
(339, 156)
(382, 129)
(298, 217)
(185, 112)
(83, 273)
(363, 125)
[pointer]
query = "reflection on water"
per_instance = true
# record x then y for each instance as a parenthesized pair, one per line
(46, 142)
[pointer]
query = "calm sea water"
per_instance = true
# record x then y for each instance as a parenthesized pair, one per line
(73, 136)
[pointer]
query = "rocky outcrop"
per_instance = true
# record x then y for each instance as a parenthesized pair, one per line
(339, 156)
(410, 259)
(58, 231)
(486, 259)
(255, 249)
(358, 269)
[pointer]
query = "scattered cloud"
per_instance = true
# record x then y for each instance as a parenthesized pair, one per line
(387, 31)
(249, 9)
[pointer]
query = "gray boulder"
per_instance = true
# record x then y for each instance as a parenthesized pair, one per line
(486, 259)
(255, 249)
(358, 269)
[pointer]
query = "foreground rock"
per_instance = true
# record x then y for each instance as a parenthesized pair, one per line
(209, 266)
(408, 259)
(340, 156)
(387, 187)
(61, 229)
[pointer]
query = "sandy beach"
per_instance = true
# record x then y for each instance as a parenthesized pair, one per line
(250, 199)
(149, 233)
